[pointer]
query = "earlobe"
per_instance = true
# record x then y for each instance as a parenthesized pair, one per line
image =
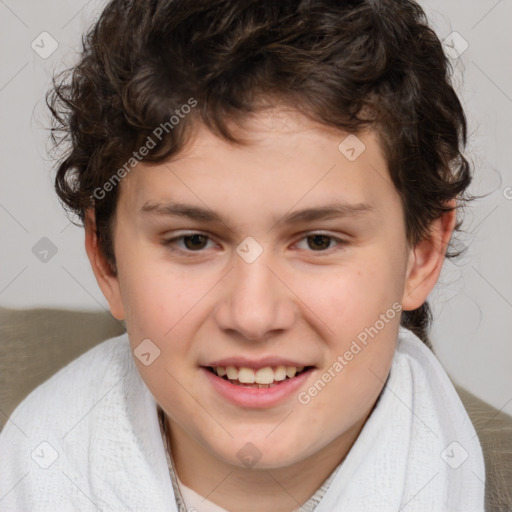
(426, 259)
(106, 278)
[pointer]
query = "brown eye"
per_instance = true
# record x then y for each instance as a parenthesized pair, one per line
(189, 245)
(319, 242)
(195, 242)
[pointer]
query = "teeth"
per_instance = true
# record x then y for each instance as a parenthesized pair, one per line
(232, 373)
(280, 373)
(264, 377)
(291, 371)
(246, 376)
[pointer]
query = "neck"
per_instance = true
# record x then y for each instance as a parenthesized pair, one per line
(240, 489)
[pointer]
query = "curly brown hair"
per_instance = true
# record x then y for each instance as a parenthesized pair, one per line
(349, 64)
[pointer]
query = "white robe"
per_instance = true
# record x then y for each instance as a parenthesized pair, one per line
(89, 439)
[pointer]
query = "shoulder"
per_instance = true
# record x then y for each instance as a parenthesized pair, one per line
(493, 427)
(88, 374)
(54, 406)
(87, 435)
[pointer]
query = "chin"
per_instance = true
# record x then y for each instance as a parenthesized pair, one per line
(258, 451)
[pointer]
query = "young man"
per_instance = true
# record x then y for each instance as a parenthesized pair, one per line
(268, 191)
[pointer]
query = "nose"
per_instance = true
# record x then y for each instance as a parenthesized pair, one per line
(257, 303)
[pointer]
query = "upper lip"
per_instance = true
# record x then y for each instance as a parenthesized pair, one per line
(244, 362)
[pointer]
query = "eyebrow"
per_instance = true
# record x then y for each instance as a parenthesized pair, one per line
(193, 212)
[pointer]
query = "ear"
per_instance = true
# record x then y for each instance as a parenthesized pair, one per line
(106, 277)
(426, 260)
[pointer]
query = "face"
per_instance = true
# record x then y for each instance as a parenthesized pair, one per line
(279, 253)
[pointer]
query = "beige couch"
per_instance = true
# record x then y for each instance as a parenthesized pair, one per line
(35, 343)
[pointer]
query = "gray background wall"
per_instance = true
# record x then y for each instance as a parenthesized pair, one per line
(473, 300)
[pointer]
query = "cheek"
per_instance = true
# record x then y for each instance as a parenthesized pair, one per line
(353, 297)
(157, 294)
(363, 326)
(163, 306)
(361, 308)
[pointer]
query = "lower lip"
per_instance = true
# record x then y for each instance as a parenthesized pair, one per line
(257, 397)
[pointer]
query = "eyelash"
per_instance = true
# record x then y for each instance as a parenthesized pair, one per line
(168, 243)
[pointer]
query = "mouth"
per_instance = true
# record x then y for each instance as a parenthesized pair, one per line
(266, 377)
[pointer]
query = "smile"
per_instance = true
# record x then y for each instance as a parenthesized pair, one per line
(259, 388)
(257, 378)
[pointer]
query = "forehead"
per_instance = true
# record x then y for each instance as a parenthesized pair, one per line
(286, 163)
